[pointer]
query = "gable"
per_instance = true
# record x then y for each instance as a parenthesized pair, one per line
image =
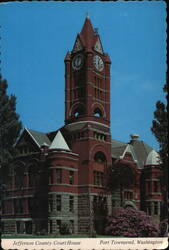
(25, 141)
(78, 45)
(33, 139)
(98, 46)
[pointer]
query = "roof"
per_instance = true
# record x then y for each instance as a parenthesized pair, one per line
(59, 142)
(153, 158)
(141, 150)
(39, 137)
(138, 149)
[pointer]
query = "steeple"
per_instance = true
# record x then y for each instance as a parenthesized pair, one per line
(87, 68)
(87, 35)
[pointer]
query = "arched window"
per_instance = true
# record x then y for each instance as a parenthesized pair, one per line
(34, 175)
(97, 113)
(19, 169)
(100, 157)
(79, 111)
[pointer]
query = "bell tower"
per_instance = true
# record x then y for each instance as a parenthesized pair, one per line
(87, 78)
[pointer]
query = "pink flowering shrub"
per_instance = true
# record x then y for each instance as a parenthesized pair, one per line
(131, 223)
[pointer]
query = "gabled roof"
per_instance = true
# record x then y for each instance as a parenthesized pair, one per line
(117, 152)
(59, 142)
(39, 137)
(141, 150)
(138, 149)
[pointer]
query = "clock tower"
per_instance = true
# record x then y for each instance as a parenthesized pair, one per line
(87, 79)
(87, 116)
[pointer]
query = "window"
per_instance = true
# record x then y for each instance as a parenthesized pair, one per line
(128, 195)
(19, 174)
(71, 177)
(50, 203)
(98, 178)
(156, 207)
(32, 176)
(59, 223)
(58, 203)
(71, 203)
(113, 203)
(149, 208)
(7, 207)
(58, 176)
(28, 227)
(50, 226)
(18, 226)
(100, 157)
(71, 226)
(51, 176)
(31, 204)
(149, 186)
(97, 112)
(155, 186)
(19, 206)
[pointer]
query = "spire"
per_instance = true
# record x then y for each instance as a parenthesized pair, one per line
(87, 15)
(87, 34)
(59, 142)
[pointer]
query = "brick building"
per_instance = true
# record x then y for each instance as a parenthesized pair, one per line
(58, 176)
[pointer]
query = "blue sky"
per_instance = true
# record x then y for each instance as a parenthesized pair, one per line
(37, 35)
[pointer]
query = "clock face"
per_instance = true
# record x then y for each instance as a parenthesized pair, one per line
(98, 63)
(77, 62)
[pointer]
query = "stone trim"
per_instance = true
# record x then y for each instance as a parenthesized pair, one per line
(63, 167)
(153, 179)
(89, 122)
(68, 193)
(17, 197)
(17, 219)
(65, 152)
(150, 200)
(63, 184)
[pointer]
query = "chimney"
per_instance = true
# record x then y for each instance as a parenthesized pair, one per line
(134, 137)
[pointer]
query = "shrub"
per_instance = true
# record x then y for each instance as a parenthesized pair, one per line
(131, 223)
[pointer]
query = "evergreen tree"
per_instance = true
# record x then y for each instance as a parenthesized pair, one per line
(10, 126)
(160, 131)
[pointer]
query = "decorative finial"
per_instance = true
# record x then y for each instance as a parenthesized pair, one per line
(87, 15)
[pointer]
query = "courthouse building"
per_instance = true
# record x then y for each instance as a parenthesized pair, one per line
(58, 176)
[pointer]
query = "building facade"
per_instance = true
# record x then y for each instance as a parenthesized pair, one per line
(58, 178)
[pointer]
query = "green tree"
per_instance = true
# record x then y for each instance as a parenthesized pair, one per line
(160, 131)
(10, 127)
(120, 176)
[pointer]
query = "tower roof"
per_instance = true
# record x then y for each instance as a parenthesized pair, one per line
(88, 35)
(59, 142)
(153, 158)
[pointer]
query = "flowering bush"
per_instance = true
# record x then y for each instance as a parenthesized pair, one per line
(131, 223)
